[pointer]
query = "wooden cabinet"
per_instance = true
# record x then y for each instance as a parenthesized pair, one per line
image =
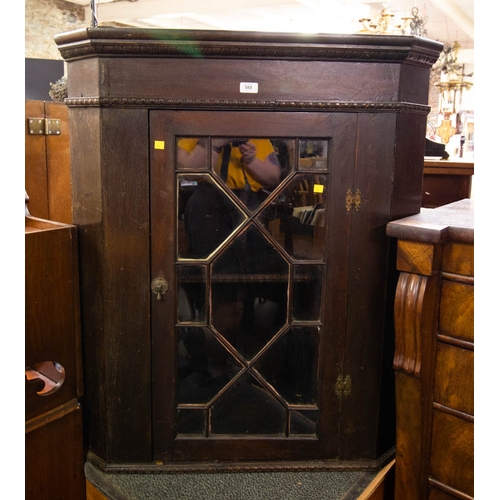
(434, 357)
(47, 164)
(271, 345)
(446, 181)
(54, 436)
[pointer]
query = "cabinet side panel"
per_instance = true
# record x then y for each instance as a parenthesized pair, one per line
(368, 264)
(113, 227)
(127, 285)
(409, 168)
(414, 83)
(87, 215)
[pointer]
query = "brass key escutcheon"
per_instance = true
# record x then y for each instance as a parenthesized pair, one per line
(159, 286)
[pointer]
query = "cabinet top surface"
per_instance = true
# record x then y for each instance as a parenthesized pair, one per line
(450, 222)
(144, 42)
(458, 163)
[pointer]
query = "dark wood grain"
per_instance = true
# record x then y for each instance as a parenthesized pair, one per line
(127, 89)
(446, 181)
(114, 253)
(54, 456)
(54, 451)
(52, 321)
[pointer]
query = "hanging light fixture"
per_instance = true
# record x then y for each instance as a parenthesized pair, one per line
(451, 85)
(386, 23)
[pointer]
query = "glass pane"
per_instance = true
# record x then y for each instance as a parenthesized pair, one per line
(313, 154)
(191, 294)
(248, 315)
(247, 408)
(251, 254)
(296, 218)
(250, 282)
(191, 422)
(290, 365)
(204, 366)
(303, 422)
(206, 216)
(307, 284)
(234, 307)
(285, 151)
(192, 153)
(249, 167)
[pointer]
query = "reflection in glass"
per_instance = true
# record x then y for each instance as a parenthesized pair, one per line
(250, 167)
(191, 422)
(192, 153)
(250, 253)
(247, 408)
(290, 365)
(296, 219)
(248, 315)
(303, 421)
(308, 280)
(191, 294)
(249, 299)
(247, 208)
(313, 154)
(206, 216)
(204, 366)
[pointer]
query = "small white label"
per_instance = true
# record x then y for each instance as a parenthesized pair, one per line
(249, 88)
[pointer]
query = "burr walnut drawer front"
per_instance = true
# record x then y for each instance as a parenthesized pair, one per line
(458, 258)
(452, 455)
(454, 382)
(456, 316)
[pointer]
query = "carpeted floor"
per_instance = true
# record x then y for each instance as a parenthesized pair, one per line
(290, 485)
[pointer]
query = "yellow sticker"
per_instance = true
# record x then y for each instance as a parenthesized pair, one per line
(318, 188)
(159, 144)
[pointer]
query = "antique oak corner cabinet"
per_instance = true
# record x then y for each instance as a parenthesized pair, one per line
(270, 347)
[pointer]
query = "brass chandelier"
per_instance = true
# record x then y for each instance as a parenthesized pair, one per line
(386, 23)
(451, 86)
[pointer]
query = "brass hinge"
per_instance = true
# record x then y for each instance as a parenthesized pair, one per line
(353, 200)
(44, 126)
(343, 386)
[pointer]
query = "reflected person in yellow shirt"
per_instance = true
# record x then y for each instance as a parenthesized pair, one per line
(242, 164)
(248, 167)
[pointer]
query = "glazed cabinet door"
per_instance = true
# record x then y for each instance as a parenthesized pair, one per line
(250, 241)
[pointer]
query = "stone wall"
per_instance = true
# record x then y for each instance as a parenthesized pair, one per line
(46, 18)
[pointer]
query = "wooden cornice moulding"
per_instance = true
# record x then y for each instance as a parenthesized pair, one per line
(355, 107)
(106, 41)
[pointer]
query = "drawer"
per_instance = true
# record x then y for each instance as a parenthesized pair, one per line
(458, 258)
(436, 494)
(456, 315)
(452, 454)
(454, 383)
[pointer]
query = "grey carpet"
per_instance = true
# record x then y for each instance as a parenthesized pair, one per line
(294, 485)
